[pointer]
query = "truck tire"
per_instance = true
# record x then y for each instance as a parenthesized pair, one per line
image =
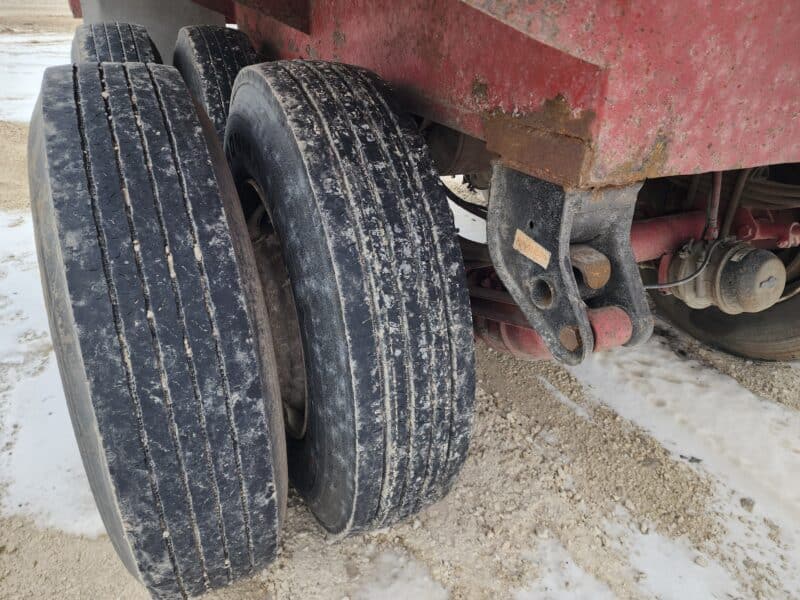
(209, 58)
(158, 325)
(113, 42)
(378, 280)
(773, 334)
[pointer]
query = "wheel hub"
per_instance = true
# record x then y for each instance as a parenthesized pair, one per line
(281, 308)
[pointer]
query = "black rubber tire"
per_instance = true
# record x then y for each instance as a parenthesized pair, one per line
(378, 280)
(770, 335)
(113, 42)
(158, 324)
(209, 58)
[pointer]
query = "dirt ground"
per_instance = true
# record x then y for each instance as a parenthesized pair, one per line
(13, 172)
(36, 16)
(551, 470)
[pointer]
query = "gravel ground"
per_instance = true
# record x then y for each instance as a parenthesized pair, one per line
(669, 471)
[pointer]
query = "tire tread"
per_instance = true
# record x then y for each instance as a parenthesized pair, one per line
(113, 42)
(209, 57)
(405, 319)
(189, 493)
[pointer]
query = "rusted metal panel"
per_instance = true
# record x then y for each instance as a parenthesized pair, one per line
(691, 86)
(581, 93)
(452, 64)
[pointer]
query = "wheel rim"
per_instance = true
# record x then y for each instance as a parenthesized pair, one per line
(281, 307)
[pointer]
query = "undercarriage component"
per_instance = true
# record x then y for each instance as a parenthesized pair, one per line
(763, 188)
(593, 266)
(500, 323)
(456, 153)
(786, 234)
(772, 334)
(533, 228)
(738, 277)
(739, 303)
(653, 238)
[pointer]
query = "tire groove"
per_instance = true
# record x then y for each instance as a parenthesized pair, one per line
(121, 42)
(108, 43)
(227, 54)
(439, 260)
(389, 246)
(210, 310)
(422, 291)
(135, 43)
(124, 352)
(368, 254)
(359, 240)
(151, 321)
(185, 335)
(213, 65)
(244, 54)
(94, 43)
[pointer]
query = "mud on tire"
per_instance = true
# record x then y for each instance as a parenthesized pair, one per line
(113, 42)
(378, 281)
(158, 325)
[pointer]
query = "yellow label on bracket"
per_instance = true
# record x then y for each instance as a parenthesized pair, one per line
(530, 248)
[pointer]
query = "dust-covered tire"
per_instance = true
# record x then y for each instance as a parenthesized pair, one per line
(209, 57)
(113, 42)
(773, 334)
(158, 324)
(378, 281)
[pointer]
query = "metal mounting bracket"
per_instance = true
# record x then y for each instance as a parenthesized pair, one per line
(532, 226)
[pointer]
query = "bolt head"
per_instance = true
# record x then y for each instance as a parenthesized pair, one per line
(570, 338)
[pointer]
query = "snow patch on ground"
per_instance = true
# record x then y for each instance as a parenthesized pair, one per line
(559, 578)
(23, 59)
(748, 445)
(665, 567)
(41, 473)
(697, 412)
(396, 576)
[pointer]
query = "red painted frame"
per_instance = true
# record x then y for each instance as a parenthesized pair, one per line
(584, 93)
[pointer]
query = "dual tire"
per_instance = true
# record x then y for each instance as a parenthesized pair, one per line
(158, 324)
(161, 311)
(378, 282)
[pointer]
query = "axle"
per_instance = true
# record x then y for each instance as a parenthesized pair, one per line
(500, 322)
